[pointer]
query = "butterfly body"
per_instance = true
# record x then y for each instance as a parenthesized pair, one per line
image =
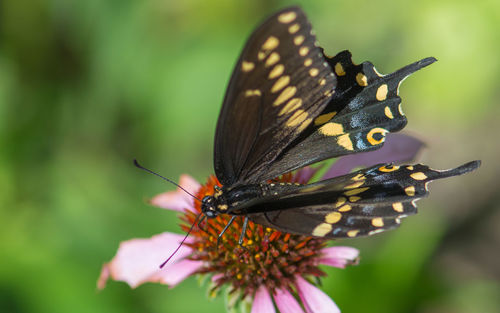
(287, 106)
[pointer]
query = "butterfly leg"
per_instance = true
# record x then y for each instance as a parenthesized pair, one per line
(243, 232)
(199, 225)
(225, 228)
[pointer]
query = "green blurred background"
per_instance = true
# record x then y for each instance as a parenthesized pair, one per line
(86, 86)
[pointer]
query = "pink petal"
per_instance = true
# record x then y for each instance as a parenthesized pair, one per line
(178, 200)
(397, 148)
(177, 272)
(338, 256)
(262, 303)
(285, 302)
(216, 277)
(137, 261)
(315, 300)
(189, 183)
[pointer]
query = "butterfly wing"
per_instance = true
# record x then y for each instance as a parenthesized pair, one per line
(365, 106)
(358, 204)
(280, 84)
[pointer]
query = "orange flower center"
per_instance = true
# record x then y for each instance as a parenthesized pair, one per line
(267, 256)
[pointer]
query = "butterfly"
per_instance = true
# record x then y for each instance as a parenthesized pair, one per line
(288, 105)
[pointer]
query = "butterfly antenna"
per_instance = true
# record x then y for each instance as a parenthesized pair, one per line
(182, 242)
(170, 181)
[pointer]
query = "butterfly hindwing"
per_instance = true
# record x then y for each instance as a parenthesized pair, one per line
(362, 203)
(363, 109)
(280, 84)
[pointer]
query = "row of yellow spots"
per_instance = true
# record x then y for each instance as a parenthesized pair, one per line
(335, 129)
(362, 80)
(299, 117)
(410, 190)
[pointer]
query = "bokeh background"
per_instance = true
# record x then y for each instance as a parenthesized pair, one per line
(86, 86)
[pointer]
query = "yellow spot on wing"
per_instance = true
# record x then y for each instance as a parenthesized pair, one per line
(261, 55)
(388, 169)
(303, 51)
(313, 72)
(298, 117)
(271, 43)
(328, 93)
(398, 207)
(378, 222)
(303, 125)
(291, 106)
(322, 82)
(294, 28)
(381, 92)
(324, 118)
(331, 129)
(280, 83)
(356, 191)
(285, 95)
(298, 40)
(322, 229)
(354, 199)
(345, 142)
(252, 92)
(333, 217)
(388, 112)
(247, 66)
(410, 168)
(352, 233)
(277, 71)
(287, 17)
(340, 201)
(410, 191)
(272, 59)
(308, 62)
(339, 69)
(359, 177)
(372, 132)
(418, 176)
(345, 208)
(355, 185)
(361, 79)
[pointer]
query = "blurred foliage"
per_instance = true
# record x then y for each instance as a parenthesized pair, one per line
(86, 86)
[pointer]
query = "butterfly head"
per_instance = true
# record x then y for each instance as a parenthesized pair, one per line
(208, 207)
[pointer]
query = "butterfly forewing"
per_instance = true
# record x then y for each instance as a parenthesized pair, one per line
(358, 204)
(280, 84)
(363, 109)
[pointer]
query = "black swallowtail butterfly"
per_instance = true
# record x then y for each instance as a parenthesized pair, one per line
(287, 106)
